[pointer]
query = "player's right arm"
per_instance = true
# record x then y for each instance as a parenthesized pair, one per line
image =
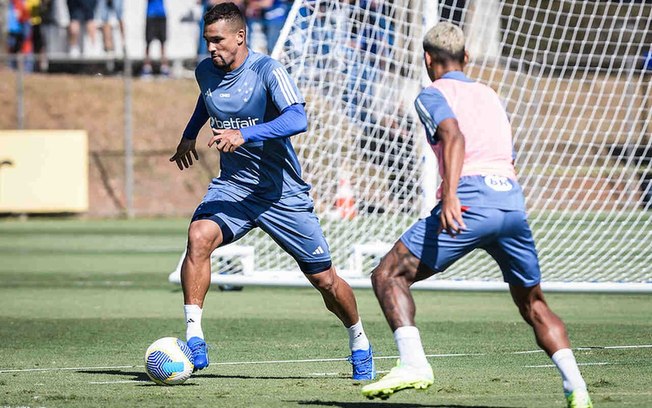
(186, 148)
(442, 129)
(452, 141)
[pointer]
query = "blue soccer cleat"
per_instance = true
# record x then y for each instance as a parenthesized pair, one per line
(199, 352)
(363, 364)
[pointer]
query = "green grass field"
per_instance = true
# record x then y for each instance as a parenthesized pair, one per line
(80, 301)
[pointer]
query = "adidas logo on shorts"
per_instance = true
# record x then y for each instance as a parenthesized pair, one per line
(318, 251)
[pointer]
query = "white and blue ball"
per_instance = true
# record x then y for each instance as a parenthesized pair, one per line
(168, 361)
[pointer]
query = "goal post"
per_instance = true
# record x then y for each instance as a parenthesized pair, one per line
(575, 78)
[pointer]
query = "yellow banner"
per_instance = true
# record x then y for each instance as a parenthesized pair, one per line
(43, 171)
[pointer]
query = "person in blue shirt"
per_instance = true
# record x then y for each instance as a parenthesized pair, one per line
(17, 18)
(254, 107)
(271, 15)
(155, 29)
(274, 18)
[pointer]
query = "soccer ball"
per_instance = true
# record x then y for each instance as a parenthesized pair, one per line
(168, 361)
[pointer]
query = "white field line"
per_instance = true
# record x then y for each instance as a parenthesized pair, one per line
(118, 382)
(31, 370)
(313, 360)
(338, 374)
(579, 364)
(614, 347)
(327, 360)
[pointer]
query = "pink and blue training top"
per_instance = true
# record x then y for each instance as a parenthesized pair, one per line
(488, 178)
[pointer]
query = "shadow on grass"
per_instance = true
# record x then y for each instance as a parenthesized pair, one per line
(142, 376)
(255, 377)
(135, 375)
(139, 376)
(374, 404)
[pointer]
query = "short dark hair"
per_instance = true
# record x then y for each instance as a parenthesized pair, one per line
(442, 56)
(225, 11)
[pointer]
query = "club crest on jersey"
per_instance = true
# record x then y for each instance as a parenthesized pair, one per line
(233, 123)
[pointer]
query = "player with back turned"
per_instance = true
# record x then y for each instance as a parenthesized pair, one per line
(254, 108)
(481, 206)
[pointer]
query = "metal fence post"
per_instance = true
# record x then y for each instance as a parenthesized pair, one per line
(20, 91)
(128, 138)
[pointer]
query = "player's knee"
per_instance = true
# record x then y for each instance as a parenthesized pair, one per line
(201, 241)
(326, 285)
(324, 281)
(534, 311)
(378, 276)
(387, 269)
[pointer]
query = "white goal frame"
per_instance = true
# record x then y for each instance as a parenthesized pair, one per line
(575, 77)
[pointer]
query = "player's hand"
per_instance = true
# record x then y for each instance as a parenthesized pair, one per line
(226, 140)
(185, 152)
(450, 218)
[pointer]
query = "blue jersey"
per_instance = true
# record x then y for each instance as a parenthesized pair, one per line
(254, 93)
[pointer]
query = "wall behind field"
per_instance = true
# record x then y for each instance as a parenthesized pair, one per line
(95, 104)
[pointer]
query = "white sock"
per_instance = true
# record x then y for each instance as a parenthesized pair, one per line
(193, 321)
(357, 338)
(409, 345)
(570, 373)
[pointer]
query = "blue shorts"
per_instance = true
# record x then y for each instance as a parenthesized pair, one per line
(505, 235)
(103, 10)
(290, 222)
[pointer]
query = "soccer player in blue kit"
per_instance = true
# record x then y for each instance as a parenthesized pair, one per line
(254, 108)
(481, 206)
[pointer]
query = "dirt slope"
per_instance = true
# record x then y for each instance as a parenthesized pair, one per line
(96, 104)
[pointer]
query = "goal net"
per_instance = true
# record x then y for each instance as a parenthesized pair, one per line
(575, 78)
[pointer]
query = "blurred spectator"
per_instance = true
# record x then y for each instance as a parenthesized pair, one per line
(647, 60)
(155, 29)
(39, 12)
(388, 142)
(105, 10)
(59, 18)
(269, 16)
(365, 51)
(17, 30)
(317, 30)
(4, 14)
(202, 50)
(274, 18)
(16, 26)
(81, 12)
(255, 37)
